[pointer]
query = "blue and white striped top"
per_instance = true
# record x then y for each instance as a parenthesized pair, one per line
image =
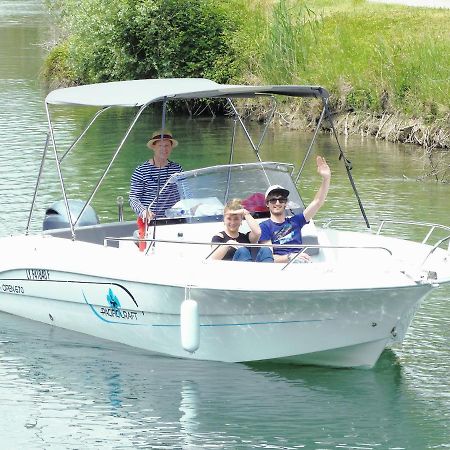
(144, 188)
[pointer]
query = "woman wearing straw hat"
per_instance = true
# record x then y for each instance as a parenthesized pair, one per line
(147, 198)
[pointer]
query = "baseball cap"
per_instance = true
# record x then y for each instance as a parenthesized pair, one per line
(276, 188)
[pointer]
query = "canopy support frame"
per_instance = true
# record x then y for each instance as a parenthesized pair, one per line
(58, 168)
(38, 182)
(108, 167)
(238, 117)
(78, 139)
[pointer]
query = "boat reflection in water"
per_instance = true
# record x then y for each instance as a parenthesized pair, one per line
(82, 391)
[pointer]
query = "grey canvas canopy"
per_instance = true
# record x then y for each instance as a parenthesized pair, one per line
(142, 92)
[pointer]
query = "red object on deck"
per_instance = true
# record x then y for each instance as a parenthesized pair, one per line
(141, 232)
(255, 203)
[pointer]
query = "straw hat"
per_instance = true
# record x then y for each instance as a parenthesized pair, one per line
(165, 134)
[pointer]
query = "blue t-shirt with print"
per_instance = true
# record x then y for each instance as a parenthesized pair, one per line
(288, 232)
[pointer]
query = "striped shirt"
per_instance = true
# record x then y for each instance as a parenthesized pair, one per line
(144, 188)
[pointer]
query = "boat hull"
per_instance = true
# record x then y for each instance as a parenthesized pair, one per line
(342, 328)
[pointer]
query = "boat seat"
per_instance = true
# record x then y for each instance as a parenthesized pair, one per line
(309, 236)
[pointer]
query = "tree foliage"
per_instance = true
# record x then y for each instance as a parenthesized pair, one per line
(123, 39)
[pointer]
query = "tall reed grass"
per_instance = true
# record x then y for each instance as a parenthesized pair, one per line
(291, 34)
(370, 56)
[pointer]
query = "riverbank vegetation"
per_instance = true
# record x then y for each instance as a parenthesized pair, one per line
(386, 66)
(124, 39)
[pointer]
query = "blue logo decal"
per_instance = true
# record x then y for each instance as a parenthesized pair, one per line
(112, 300)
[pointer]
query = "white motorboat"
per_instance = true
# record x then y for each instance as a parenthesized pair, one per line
(357, 296)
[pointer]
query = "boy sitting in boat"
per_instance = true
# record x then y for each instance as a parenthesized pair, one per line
(233, 214)
(280, 229)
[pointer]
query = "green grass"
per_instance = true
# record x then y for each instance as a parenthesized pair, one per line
(372, 57)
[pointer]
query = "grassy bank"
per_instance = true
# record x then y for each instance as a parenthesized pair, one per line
(372, 56)
(386, 66)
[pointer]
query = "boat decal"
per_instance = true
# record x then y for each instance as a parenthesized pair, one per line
(270, 322)
(69, 281)
(119, 313)
(13, 288)
(38, 274)
(243, 324)
(113, 300)
(114, 312)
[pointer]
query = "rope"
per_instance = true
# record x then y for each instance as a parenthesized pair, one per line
(348, 165)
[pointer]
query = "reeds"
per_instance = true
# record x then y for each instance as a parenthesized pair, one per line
(290, 35)
(372, 57)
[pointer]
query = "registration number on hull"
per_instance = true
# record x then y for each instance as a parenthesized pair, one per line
(38, 274)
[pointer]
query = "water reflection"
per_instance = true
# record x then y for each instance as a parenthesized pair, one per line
(82, 391)
(21, 115)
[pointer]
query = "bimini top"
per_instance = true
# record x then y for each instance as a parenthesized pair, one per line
(142, 92)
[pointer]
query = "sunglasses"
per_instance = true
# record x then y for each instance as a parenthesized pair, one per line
(272, 201)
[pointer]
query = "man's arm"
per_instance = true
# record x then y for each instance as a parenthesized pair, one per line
(136, 190)
(280, 258)
(324, 171)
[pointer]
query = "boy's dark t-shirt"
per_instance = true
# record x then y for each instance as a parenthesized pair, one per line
(242, 238)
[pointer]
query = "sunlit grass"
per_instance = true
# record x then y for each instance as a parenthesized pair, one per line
(371, 56)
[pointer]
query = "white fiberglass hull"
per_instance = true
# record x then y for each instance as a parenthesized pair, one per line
(247, 311)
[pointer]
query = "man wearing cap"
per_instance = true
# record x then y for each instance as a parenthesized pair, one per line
(147, 198)
(280, 229)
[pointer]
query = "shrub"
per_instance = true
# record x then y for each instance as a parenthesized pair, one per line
(56, 69)
(122, 39)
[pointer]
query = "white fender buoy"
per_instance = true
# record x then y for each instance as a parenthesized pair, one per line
(190, 325)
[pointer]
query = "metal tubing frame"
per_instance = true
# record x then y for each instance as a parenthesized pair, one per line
(254, 147)
(159, 189)
(58, 168)
(239, 118)
(432, 226)
(328, 222)
(38, 181)
(436, 246)
(58, 162)
(108, 167)
(316, 131)
(230, 159)
(269, 120)
(78, 139)
(300, 247)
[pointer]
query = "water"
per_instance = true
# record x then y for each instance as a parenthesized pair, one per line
(63, 390)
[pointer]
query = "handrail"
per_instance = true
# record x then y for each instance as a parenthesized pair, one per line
(436, 246)
(351, 220)
(301, 247)
(432, 226)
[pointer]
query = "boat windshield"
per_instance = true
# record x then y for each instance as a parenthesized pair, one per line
(204, 192)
